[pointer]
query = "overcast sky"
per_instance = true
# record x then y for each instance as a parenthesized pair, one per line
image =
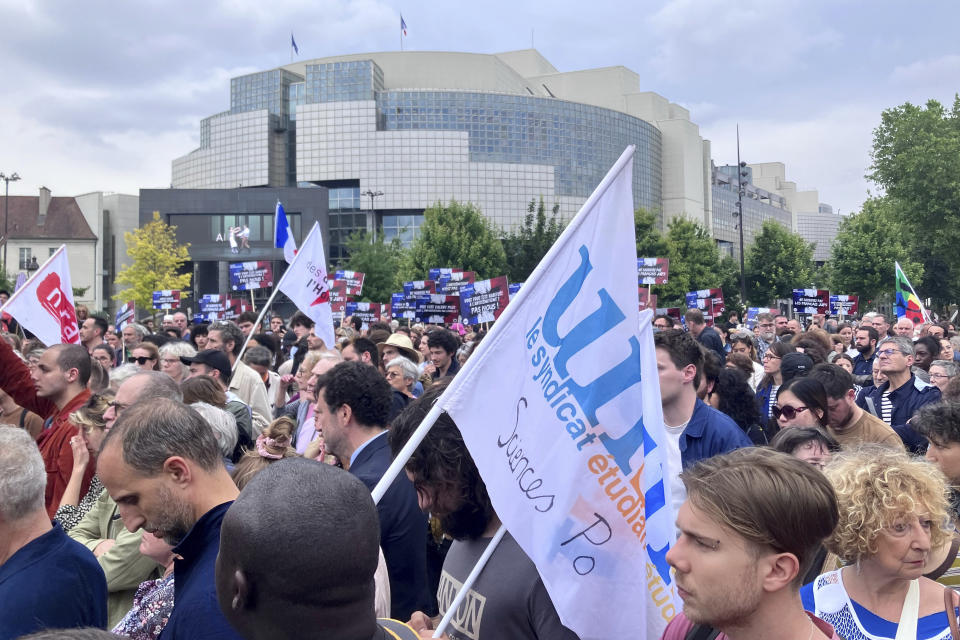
(103, 95)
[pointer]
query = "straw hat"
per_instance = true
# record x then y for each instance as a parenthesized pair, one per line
(401, 343)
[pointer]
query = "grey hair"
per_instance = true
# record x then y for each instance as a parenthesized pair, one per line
(141, 330)
(151, 432)
(180, 349)
(223, 423)
(123, 373)
(948, 366)
(407, 368)
(329, 355)
(259, 356)
(160, 385)
(902, 343)
(23, 475)
(229, 331)
(955, 342)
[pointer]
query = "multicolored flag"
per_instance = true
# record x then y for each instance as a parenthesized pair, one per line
(908, 302)
(283, 235)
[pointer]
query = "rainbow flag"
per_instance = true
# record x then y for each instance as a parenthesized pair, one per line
(908, 302)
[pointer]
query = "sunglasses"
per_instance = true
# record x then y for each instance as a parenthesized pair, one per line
(140, 359)
(787, 412)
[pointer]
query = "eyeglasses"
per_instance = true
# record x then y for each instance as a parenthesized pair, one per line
(886, 353)
(766, 325)
(787, 412)
(140, 359)
(770, 356)
(938, 376)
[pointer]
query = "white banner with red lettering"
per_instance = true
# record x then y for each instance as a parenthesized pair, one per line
(44, 304)
(305, 283)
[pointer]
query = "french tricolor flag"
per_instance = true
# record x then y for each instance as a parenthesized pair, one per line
(403, 25)
(283, 236)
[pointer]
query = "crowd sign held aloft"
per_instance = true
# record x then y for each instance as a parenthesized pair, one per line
(844, 305)
(811, 301)
(485, 300)
(403, 307)
(673, 312)
(452, 283)
(166, 299)
(44, 304)
(418, 288)
(246, 276)
(437, 272)
(514, 288)
(126, 314)
(215, 306)
(438, 308)
(368, 312)
(574, 452)
(352, 281)
(653, 270)
(710, 301)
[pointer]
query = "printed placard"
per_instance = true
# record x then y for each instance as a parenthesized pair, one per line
(125, 315)
(403, 307)
(653, 270)
(353, 281)
(438, 308)
(811, 301)
(166, 299)
(417, 288)
(247, 276)
(846, 305)
(368, 312)
(485, 300)
(451, 283)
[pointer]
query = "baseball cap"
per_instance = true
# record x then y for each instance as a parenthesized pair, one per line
(214, 359)
(795, 365)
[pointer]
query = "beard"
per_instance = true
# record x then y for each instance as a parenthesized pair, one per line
(177, 519)
(863, 349)
(729, 606)
(467, 522)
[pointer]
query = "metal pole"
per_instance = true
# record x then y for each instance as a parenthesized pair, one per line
(743, 281)
(6, 217)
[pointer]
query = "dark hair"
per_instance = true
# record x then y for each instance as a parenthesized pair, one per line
(74, 356)
(670, 321)
(173, 333)
(835, 380)
(787, 440)
(871, 332)
(247, 316)
(443, 339)
(778, 349)
(939, 423)
(203, 389)
(103, 346)
(359, 386)
(101, 324)
(741, 362)
(357, 323)
(842, 356)
(301, 319)
(741, 337)
(198, 330)
(738, 401)
(268, 341)
(230, 332)
(812, 347)
(711, 365)
(379, 326)
(683, 349)
(366, 345)
(156, 339)
(443, 464)
(154, 430)
(932, 344)
(810, 392)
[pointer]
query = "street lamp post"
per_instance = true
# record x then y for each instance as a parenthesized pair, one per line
(6, 215)
(741, 174)
(373, 194)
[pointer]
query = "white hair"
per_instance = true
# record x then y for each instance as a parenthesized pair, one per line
(122, 373)
(180, 349)
(223, 423)
(408, 370)
(23, 475)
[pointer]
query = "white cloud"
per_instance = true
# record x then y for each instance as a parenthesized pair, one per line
(943, 71)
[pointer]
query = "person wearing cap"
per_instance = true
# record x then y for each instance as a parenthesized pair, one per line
(215, 364)
(795, 365)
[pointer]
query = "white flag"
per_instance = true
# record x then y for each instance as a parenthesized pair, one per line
(305, 283)
(44, 304)
(560, 408)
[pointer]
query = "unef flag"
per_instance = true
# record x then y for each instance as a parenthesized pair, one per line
(305, 283)
(560, 408)
(44, 304)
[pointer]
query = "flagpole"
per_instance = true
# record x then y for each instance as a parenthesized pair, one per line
(421, 432)
(468, 583)
(16, 293)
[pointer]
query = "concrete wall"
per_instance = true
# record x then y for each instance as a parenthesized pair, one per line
(81, 255)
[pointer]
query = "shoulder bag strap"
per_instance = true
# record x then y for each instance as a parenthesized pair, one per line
(948, 561)
(949, 604)
(703, 632)
(907, 629)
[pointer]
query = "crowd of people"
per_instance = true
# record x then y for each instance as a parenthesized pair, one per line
(213, 480)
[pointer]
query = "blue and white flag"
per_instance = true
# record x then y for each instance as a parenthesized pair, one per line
(283, 236)
(560, 408)
(293, 43)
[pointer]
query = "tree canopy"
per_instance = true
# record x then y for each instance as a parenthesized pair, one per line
(455, 235)
(525, 246)
(157, 262)
(777, 262)
(379, 260)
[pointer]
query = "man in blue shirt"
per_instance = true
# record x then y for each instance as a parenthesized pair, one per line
(47, 581)
(161, 463)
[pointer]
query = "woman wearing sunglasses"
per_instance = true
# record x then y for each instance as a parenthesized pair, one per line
(146, 356)
(801, 402)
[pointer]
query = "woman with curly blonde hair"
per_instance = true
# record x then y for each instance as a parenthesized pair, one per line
(893, 511)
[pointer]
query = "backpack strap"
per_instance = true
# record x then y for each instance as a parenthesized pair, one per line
(701, 632)
(397, 629)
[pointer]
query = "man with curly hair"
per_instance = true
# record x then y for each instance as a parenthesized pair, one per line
(353, 402)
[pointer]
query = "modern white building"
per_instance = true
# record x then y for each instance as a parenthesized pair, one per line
(390, 134)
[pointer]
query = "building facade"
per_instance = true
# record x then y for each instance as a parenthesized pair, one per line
(390, 134)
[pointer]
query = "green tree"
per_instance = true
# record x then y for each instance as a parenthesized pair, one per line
(866, 246)
(777, 262)
(379, 260)
(694, 262)
(455, 235)
(650, 242)
(916, 160)
(157, 261)
(525, 246)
